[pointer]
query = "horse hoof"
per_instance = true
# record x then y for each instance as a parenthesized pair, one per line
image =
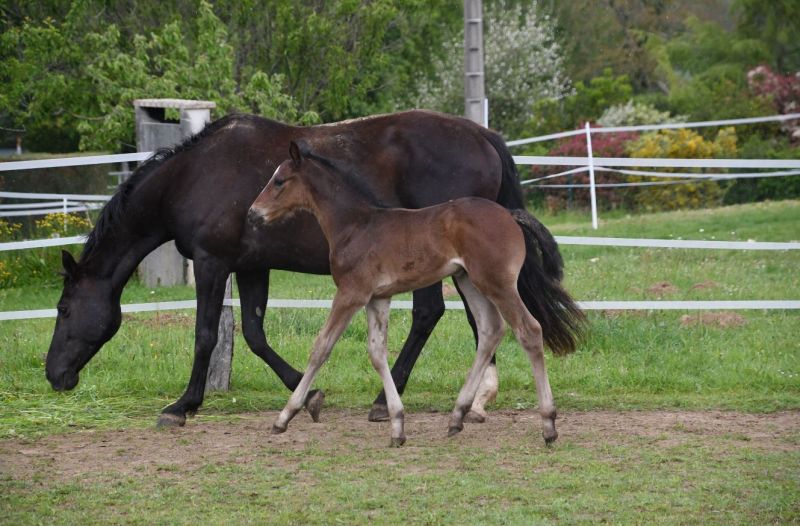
(473, 417)
(277, 430)
(314, 404)
(397, 441)
(550, 437)
(378, 413)
(454, 430)
(167, 420)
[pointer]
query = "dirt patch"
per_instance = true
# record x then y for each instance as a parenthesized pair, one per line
(705, 285)
(174, 451)
(662, 288)
(162, 319)
(714, 319)
(619, 313)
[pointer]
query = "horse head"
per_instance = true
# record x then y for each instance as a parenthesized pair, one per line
(88, 316)
(285, 192)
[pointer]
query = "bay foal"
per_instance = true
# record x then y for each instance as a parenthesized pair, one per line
(376, 253)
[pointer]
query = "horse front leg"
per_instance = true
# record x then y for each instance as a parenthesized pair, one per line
(253, 292)
(428, 310)
(378, 325)
(210, 278)
(342, 311)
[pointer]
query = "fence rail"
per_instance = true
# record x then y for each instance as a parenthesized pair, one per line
(449, 305)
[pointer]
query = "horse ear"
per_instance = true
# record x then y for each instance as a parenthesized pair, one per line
(70, 266)
(294, 153)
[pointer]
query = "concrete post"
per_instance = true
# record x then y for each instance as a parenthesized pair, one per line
(165, 266)
(474, 92)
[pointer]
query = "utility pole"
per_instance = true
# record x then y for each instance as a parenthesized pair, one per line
(474, 92)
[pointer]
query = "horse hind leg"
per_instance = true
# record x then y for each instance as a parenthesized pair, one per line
(378, 322)
(487, 391)
(490, 332)
(528, 332)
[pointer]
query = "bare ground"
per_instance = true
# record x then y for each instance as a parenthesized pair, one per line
(147, 451)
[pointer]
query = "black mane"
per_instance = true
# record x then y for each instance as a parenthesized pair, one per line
(113, 213)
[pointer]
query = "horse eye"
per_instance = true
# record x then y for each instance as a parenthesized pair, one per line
(278, 183)
(63, 310)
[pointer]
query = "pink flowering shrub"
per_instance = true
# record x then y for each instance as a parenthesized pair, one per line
(782, 90)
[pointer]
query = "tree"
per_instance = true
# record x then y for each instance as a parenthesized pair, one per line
(777, 24)
(587, 102)
(523, 64)
(68, 78)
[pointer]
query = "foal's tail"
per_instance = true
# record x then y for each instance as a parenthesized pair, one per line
(539, 285)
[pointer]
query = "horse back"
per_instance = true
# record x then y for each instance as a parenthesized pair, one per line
(414, 159)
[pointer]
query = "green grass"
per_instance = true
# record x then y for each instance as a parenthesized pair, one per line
(638, 482)
(635, 360)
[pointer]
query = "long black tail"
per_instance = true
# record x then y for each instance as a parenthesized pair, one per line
(510, 196)
(540, 287)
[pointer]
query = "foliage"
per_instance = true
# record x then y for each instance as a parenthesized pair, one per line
(683, 144)
(61, 224)
(600, 34)
(38, 266)
(8, 230)
(636, 113)
(775, 23)
(96, 79)
(763, 188)
(703, 71)
(704, 45)
(71, 78)
(586, 103)
(782, 90)
(523, 64)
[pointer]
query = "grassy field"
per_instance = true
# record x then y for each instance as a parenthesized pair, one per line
(666, 361)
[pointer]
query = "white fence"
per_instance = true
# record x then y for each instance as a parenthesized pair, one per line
(593, 164)
(583, 164)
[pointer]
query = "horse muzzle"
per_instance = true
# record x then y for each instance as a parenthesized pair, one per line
(260, 216)
(64, 380)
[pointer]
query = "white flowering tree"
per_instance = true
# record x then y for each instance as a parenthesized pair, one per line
(523, 63)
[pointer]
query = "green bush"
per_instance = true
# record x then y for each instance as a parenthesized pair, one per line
(586, 104)
(774, 188)
(38, 265)
(681, 144)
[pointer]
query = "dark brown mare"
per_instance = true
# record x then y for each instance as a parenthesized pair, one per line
(377, 252)
(198, 194)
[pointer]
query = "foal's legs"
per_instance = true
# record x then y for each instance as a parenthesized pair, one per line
(428, 309)
(487, 390)
(490, 332)
(378, 322)
(529, 334)
(339, 318)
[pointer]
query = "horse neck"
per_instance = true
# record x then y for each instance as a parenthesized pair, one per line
(127, 236)
(337, 207)
(116, 257)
